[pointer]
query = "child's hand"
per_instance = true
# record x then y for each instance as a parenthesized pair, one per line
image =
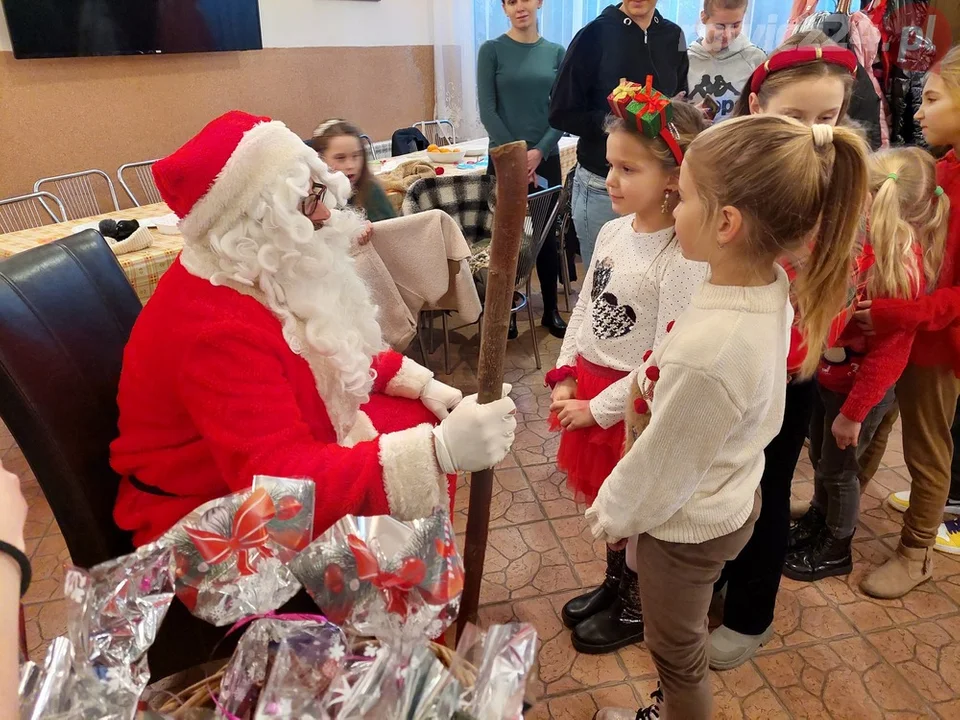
(367, 234)
(564, 390)
(574, 414)
(864, 319)
(621, 545)
(845, 431)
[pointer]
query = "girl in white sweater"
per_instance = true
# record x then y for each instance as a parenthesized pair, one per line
(750, 189)
(638, 283)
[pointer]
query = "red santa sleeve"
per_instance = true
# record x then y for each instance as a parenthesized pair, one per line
(235, 389)
(399, 376)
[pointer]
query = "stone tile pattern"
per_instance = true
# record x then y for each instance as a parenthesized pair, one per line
(836, 653)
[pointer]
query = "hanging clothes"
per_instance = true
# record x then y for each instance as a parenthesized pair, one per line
(801, 10)
(865, 38)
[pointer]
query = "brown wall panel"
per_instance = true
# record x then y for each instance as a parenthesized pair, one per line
(59, 116)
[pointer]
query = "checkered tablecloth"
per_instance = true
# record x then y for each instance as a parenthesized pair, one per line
(143, 268)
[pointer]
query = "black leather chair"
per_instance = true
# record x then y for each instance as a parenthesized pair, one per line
(66, 311)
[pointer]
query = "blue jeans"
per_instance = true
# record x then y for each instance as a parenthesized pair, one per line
(591, 210)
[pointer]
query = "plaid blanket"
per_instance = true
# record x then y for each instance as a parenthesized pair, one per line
(469, 199)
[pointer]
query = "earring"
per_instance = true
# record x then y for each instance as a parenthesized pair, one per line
(665, 207)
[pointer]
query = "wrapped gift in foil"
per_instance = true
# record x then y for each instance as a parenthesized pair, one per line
(114, 611)
(299, 651)
(378, 576)
(509, 652)
(231, 554)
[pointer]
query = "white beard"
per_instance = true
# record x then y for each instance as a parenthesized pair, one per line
(307, 278)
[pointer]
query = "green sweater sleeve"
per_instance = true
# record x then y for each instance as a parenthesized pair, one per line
(487, 95)
(378, 206)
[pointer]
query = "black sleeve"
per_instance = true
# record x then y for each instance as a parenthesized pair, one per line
(570, 108)
(683, 71)
(865, 108)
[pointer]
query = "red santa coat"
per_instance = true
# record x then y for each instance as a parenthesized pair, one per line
(211, 395)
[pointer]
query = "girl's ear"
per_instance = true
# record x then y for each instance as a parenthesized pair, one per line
(730, 223)
(673, 182)
(755, 108)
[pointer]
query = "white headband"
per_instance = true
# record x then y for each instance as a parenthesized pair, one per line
(323, 127)
(822, 134)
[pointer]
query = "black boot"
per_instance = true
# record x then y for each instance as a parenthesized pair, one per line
(554, 324)
(618, 626)
(598, 599)
(512, 332)
(827, 557)
(806, 530)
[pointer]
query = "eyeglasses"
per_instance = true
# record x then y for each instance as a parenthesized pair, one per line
(309, 204)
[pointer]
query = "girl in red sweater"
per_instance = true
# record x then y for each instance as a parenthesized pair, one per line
(928, 390)
(857, 375)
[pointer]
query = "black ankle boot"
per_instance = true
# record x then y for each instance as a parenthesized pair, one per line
(806, 530)
(598, 599)
(512, 332)
(826, 557)
(618, 626)
(554, 323)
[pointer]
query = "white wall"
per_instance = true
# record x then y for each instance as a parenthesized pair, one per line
(332, 23)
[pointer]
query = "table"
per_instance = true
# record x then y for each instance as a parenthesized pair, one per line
(568, 158)
(143, 268)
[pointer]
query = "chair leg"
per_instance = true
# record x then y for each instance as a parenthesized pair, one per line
(432, 344)
(446, 342)
(533, 327)
(423, 347)
(564, 271)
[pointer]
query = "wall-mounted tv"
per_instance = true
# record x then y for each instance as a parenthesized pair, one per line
(79, 28)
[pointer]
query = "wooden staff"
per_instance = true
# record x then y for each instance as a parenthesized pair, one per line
(510, 162)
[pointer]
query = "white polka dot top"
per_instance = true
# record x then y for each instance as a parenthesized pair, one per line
(638, 283)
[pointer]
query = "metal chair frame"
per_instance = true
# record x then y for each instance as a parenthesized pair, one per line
(79, 198)
(25, 214)
(368, 147)
(439, 136)
(145, 177)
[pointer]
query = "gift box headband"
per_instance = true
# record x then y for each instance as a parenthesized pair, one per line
(801, 56)
(649, 110)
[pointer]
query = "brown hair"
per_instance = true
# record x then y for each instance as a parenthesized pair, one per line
(340, 128)
(816, 69)
(792, 184)
(711, 6)
(688, 121)
(905, 209)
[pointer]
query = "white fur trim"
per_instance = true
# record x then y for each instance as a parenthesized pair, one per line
(411, 477)
(409, 380)
(264, 152)
(362, 431)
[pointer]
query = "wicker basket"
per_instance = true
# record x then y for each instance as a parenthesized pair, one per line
(184, 693)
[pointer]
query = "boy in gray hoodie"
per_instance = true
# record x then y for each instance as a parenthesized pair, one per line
(722, 60)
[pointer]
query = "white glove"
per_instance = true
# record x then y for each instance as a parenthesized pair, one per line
(475, 437)
(440, 399)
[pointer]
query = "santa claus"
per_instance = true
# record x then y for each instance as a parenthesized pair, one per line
(260, 353)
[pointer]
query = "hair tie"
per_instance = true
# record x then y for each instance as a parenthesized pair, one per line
(324, 126)
(649, 111)
(938, 192)
(822, 134)
(893, 176)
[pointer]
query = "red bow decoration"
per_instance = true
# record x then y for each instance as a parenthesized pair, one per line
(248, 532)
(395, 586)
(450, 584)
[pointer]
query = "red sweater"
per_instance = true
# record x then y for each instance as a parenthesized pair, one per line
(933, 316)
(877, 363)
(211, 395)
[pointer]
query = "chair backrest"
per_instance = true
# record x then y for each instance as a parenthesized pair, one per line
(542, 210)
(82, 192)
(469, 199)
(66, 312)
(144, 190)
(407, 140)
(438, 132)
(29, 211)
(368, 148)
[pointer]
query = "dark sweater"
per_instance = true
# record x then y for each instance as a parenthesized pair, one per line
(606, 50)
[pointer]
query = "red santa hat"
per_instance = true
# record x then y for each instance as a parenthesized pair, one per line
(213, 178)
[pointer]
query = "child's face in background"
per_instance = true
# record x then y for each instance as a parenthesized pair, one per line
(345, 154)
(817, 101)
(722, 27)
(636, 181)
(939, 115)
(689, 217)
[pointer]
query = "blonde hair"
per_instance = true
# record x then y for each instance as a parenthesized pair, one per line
(792, 184)
(711, 6)
(905, 210)
(813, 70)
(949, 71)
(688, 121)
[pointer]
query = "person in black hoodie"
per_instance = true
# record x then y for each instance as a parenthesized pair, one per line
(631, 41)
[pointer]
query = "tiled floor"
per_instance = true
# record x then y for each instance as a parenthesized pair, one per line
(836, 653)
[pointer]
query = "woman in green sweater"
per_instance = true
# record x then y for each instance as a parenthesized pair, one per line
(339, 145)
(515, 74)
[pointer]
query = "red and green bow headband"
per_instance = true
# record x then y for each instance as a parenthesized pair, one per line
(648, 110)
(831, 54)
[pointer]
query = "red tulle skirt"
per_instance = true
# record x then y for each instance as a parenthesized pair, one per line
(589, 455)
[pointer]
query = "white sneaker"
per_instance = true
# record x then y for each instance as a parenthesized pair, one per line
(730, 649)
(900, 501)
(948, 539)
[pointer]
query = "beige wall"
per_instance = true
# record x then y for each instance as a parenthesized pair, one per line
(59, 116)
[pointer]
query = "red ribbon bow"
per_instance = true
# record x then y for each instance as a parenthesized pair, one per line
(248, 532)
(653, 100)
(395, 586)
